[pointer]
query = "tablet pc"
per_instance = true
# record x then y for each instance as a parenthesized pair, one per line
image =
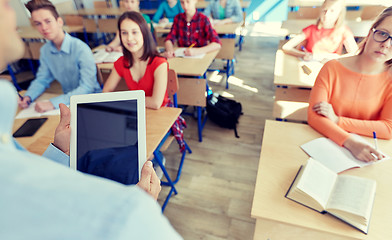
(108, 134)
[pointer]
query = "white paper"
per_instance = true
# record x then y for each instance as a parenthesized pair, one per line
(101, 56)
(333, 156)
(31, 113)
(179, 52)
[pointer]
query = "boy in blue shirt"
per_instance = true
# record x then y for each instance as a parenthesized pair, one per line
(63, 58)
(168, 10)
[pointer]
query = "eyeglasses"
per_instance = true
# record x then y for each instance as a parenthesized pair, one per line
(381, 36)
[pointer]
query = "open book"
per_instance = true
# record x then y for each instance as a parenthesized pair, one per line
(179, 52)
(333, 156)
(349, 198)
(101, 56)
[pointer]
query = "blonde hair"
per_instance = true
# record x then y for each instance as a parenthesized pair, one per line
(342, 16)
(383, 15)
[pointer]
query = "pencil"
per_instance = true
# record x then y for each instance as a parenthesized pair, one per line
(192, 45)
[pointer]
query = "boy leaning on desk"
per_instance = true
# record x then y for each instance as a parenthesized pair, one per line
(41, 199)
(64, 58)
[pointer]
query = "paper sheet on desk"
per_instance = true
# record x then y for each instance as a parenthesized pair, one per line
(179, 52)
(31, 113)
(333, 156)
(101, 56)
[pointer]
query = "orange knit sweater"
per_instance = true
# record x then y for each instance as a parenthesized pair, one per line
(362, 102)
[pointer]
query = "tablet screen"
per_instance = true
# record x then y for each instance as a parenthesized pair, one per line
(107, 139)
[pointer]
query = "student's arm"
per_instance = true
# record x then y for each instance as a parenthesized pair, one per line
(350, 44)
(43, 79)
(159, 13)
(159, 89)
(112, 81)
(171, 38)
(87, 82)
(115, 44)
(290, 47)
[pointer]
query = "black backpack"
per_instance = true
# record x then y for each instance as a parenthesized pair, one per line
(224, 112)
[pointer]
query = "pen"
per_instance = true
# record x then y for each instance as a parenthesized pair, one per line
(20, 96)
(375, 140)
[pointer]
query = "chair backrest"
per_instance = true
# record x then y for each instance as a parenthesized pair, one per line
(172, 83)
(371, 12)
(102, 4)
(89, 25)
(108, 25)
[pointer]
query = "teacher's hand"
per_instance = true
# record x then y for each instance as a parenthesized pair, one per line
(62, 134)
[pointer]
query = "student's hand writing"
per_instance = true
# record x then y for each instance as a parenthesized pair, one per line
(43, 106)
(361, 150)
(191, 51)
(308, 56)
(149, 180)
(109, 48)
(25, 102)
(325, 109)
(62, 135)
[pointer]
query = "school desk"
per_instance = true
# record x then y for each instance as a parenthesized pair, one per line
(295, 26)
(30, 33)
(280, 218)
(293, 79)
(313, 3)
(102, 12)
(192, 82)
(202, 4)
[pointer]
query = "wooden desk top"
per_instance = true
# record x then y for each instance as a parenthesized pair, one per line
(280, 159)
(311, 3)
(29, 32)
(182, 66)
(289, 72)
(295, 26)
(158, 123)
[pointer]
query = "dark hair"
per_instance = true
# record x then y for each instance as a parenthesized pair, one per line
(34, 5)
(383, 15)
(149, 46)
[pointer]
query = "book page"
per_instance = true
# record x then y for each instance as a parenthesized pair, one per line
(317, 181)
(354, 195)
(333, 156)
(31, 113)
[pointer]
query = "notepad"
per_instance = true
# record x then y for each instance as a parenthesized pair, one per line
(31, 113)
(101, 56)
(333, 156)
(179, 52)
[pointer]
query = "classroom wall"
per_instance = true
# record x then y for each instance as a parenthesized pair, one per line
(267, 11)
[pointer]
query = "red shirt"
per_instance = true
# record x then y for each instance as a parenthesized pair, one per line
(146, 83)
(326, 40)
(198, 31)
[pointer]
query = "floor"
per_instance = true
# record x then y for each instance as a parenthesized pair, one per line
(217, 183)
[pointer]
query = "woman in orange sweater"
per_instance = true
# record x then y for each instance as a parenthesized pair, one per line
(354, 94)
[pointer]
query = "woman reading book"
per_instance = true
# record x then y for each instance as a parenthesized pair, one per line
(354, 94)
(326, 38)
(142, 67)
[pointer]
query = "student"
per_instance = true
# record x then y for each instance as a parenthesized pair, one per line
(130, 5)
(326, 38)
(42, 199)
(168, 10)
(224, 11)
(142, 67)
(191, 28)
(354, 94)
(63, 58)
